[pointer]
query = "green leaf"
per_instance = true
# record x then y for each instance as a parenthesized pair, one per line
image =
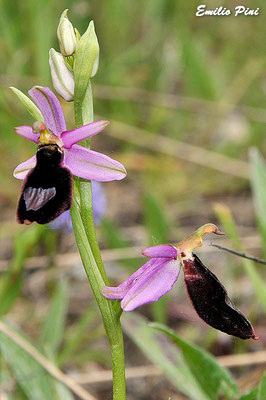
(251, 395)
(211, 376)
(63, 392)
(155, 220)
(53, 328)
(262, 388)
(200, 80)
(11, 281)
(163, 353)
(258, 184)
(76, 334)
(28, 103)
(33, 379)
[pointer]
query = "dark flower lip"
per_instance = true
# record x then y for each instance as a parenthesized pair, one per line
(211, 302)
(47, 189)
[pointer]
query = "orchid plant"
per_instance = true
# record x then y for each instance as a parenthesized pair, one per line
(49, 189)
(59, 155)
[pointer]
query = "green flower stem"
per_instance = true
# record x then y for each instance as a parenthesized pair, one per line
(84, 229)
(86, 210)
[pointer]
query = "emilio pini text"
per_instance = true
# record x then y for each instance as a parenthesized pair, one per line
(222, 11)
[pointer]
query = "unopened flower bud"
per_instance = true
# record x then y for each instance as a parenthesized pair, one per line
(66, 35)
(62, 77)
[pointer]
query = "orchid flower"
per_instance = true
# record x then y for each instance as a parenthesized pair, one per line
(158, 275)
(82, 162)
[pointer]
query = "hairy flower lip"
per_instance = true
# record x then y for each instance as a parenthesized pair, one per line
(211, 302)
(82, 162)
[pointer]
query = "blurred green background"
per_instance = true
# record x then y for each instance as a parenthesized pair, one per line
(186, 99)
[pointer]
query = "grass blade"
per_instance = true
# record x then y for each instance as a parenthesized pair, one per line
(53, 328)
(32, 378)
(11, 281)
(251, 395)
(212, 377)
(229, 226)
(258, 184)
(164, 354)
(262, 388)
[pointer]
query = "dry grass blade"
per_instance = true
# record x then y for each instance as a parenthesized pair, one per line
(175, 102)
(239, 360)
(178, 149)
(237, 253)
(156, 99)
(70, 259)
(45, 363)
(146, 371)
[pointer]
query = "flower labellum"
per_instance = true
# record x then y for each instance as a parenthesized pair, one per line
(157, 276)
(62, 77)
(47, 187)
(47, 190)
(66, 35)
(207, 294)
(211, 302)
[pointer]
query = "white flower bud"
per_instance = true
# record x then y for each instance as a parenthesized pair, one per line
(66, 35)
(62, 77)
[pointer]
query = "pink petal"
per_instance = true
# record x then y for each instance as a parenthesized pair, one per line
(84, 132)
(91, 165)
(153, 284)
(120, 291)
(23, 169)
(163, 250)
(27, 132)
(50, 108)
